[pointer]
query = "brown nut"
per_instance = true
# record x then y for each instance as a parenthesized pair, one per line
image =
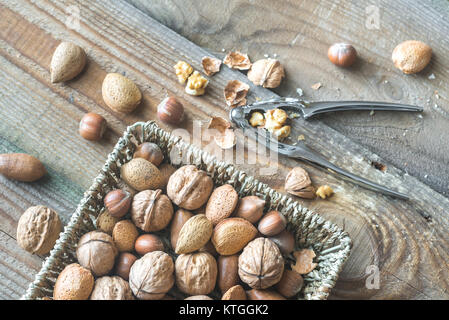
(299, 184)
(117, 202)
(304, 261)
(189, 187)
(250, 208)
(194, 234)
(166, 170)
(96, 251)
(228, 272)
(151, 210)
(141, 174)
(291, 283)
(151, 277)
(38, 229)
(267, 73)
(221, 203)
(21, 167)
(272, 223)
(111, 288)
(199, 297)
(235, 293)
(67, 62)
(285, 241)
(125, 234)
(196, 273)
(210, 65)
(256, 294)
(150, 152)
(261, 264)
(411, 56)
(73, 283)
(148, 243)
(123, 264)
(92, 126)
(170, 111)
(120, 93)
(232, 234)
(237, 60)
(179, 219)
(209, 248)
(105, 222)
(342, 54)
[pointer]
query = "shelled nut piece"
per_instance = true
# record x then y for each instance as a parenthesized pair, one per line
(237, 60)
(141, 174)
(324, 192)
(170, 111)
(261, 264)
(299, 184)
(411, 56)
(96, 251)
(221, 203)
(196, 273)
(111, 288)
(67, 62)
(210, 65)
(92, 126)
(117, 202)
(196, 84)
(235, 93)
(342, 54)
(152, 276)
(150, 152)
(257, 119)
(304, 261)
(250, 208)
(194, 234)
(73, 283)
(120, 93)
(232, 234)
(267, 73)
(151, 210)
(183, 71)
(275, 120)
(38, 229)
(21, 167)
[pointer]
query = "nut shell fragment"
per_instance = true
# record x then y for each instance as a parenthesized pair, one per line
(237, 60)
(304, 261)
(224, 136)
(211, 65)
(235, 93)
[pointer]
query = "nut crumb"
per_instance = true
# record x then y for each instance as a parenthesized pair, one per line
(301, 137)
(432, 77)
(299, 92)
(316, 86)
(324, 192)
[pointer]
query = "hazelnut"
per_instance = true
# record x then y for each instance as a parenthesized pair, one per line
(235, 93)
(304, 261)
(235, 293)
(73, 283)
(221, 203)
(151, 210)
(96, 251)
(189, 187)
(92, 126)
(199, 297)
(272, 223)
(267, 73)
(148, 243)
(38, 229)
(111, 288)
(299, 184)
(196, 273)
(228, 272)
(210, 65)
(256, 294)
(285, 241)
(179, 219)
(117, 202)
(151, 277)
(106, 222)
(261, 264)
(324, 192)
(125, 234)
(250, 208)
(170, 111)
(237, 60)
(183, 71)
(150, 152)
(291, 283)
(342, 54)
(123, 264)
(141, 174)
(196, 84)
(411, 56)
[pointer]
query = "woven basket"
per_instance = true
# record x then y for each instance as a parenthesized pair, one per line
(331, 244)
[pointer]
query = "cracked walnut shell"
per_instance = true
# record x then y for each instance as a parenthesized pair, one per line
(237, 60)
(261, 264)
(111, 288)
(267, 73)
(210, 65)
(151, 210)
(235, 93)
(304, 261)
(196, 273)
(224, 136)
(38, 229)
(299, 184)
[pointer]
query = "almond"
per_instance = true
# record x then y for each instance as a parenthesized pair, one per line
(21, 167)
(222, 203)
(411, 56)
(194, 234)
(67, 62)
(232, 235)
(120, 93)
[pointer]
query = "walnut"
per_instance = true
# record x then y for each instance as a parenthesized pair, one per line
(38, 229)
(211, 65)
(299, 184)
(261, 264)
(237, 60)
(183, 71)
(235, 93)
(189, 187)
(96, 251)
(196, 84)
(111, 288)
(304, 261)
(151, 210)
(151, 277)
(324, 192)
(196, 273)
(267, 73)
(257, 119)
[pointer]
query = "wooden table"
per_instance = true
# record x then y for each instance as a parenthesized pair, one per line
(406, 241)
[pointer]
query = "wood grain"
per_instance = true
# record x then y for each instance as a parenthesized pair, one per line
(407, 241)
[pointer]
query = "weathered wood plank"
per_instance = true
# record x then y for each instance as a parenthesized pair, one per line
(410, 251)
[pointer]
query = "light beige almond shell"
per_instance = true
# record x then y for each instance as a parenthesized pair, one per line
(38, 229)
(73, 283)
(141, 175)
(235, 293)
(120, 93)
(194, 234)
(152, 276)
(411, 56)
(221, 203)
(67, 62)
(196, 273)
(111, 288)
(232, 235)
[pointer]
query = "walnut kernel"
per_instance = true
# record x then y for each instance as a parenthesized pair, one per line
(196, 84)
(183, 71)
(324, 192)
